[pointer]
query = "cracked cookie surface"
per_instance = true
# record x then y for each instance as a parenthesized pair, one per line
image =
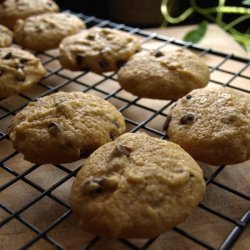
(136, 187)
(213, 125)
(163, 75)
(19, 70)
(98, 49)
(6, 36)
(64, 127)
(46, 31)
(12, 10)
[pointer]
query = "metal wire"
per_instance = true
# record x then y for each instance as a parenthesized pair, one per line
(239, 225)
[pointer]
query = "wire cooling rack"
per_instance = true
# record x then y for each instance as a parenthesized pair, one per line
(34, 208)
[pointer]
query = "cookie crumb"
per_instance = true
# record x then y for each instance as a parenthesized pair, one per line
(8, 56)
(124, 150)
(158, 54)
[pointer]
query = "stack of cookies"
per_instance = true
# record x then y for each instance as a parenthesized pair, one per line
(131, 185)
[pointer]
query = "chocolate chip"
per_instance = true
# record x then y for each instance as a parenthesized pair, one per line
(53, 124)
(79, 59)
(84, 153)
(54, 128)
(49, 4)
(97, 185)
(188, 97)
(90, 37)
(38, 28)
(113, 135)
(94, 185)
(8, 56)
(103, 64)
(158, 54)
(98, 180)
(105, 31)
(166, 123)
(116, 124)
(23, 60)
(20, 75)
(124, 150)
(120, 63)
(187, 119)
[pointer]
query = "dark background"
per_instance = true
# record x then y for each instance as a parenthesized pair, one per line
(144, 13)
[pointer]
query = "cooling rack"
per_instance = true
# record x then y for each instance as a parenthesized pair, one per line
(34, 208)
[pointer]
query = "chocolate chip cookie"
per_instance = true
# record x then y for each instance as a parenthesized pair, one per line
(98, 49)
(6, 37)
(46, 31)
(64, 127)
(163, 75)
(213, 125)
(12, 10)
(136, 187)
(19, 70)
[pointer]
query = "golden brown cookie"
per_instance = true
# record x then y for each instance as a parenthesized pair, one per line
(12, 10)
(136, 187)
(19, 70)
(98, 49)
(6, 37)
(65, 127)
(163, 75)
(212, 125)
(46, 31)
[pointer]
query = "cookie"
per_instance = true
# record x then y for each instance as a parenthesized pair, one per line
(98, 49)
(19, 70)
(136, 187)
(46, 31)
(212, 125)
(64, 127)
(6, 37)
(163, 75)
(12, 10)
